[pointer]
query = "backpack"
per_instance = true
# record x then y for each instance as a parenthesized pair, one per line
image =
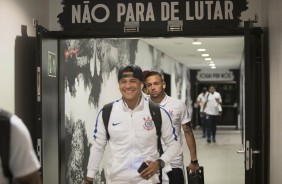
(5, 130)
(155, 113)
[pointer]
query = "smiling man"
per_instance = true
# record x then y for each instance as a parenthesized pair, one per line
(132, 136)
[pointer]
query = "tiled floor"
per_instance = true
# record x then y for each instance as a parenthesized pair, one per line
(222, 164)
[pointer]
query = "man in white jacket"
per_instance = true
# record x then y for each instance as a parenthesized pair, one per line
(133, 138)
(213, 110)
(201, 101)
(181, 119)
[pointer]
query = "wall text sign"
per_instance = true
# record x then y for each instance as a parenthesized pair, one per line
(150, 14)
(215, 75)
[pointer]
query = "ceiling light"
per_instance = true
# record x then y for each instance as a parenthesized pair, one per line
(208, 59)
(205, 55)
(213, 67)
(196, 43)
(201, 50)
(211, 64)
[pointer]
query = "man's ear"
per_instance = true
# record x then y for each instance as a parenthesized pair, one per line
(164, 85)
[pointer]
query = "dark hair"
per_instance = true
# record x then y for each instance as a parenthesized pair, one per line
(145, 72)
(136, 70)
(152, 73)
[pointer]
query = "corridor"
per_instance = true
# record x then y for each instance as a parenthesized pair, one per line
(222, 164)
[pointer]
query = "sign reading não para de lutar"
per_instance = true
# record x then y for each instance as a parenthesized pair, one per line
(149, 14)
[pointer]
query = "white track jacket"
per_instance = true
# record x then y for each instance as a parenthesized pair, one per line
(132, 140)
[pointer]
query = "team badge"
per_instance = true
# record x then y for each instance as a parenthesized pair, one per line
(148, 123)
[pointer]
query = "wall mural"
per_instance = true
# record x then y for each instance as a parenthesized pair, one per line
(90, 68)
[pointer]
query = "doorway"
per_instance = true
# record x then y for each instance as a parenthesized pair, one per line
(71, 75)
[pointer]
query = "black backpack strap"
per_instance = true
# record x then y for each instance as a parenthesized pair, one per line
(157, 118)
(107, 109)
(5, 129)
(155, 113)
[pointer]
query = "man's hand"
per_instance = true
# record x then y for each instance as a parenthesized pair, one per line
(33, 178)
(88, 180)
(153, 167)
(194, 167)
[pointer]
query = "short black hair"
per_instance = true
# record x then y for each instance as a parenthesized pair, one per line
(204, 89)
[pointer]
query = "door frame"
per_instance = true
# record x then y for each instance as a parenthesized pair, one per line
(193, 32)
(256, 106)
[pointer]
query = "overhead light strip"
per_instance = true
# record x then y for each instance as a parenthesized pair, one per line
(197, 43)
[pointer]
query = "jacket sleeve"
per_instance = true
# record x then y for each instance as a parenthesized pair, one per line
(23, 160)
(98, 147)
(183, 113)
(170, 138)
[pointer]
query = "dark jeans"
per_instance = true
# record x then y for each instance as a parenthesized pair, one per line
(204, 126)
(211, 122)
(176, 176)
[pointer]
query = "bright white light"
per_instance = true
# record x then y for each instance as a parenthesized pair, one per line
(213, 67)
(196, 43)
(205, 55)
(208, 59)
(201, 50)
(211, 64)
